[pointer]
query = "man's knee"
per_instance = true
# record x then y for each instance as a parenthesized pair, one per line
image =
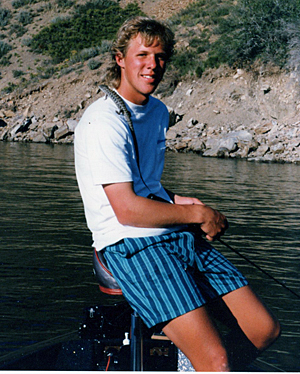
(270, 333)
(214, 360)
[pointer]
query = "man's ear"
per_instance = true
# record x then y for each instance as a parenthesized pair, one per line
(120, 59)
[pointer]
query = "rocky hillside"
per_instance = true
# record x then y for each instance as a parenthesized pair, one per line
(227, 113)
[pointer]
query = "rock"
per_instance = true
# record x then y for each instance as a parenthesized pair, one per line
(242, 135)
(171, 134)
(262, 150)
(189, 92)
(263, 129)
(49, 129)
(39, 138)
(27, 112)
(266, 89)
(9, 113)
(15, 130)
(230, 114)
(197, 145)
(277, 148)
(229, 144)
(4, 134)
(62, 132)
(2, 123)
(212, 152)
(181, 144)
(72, 123)
(191, 123)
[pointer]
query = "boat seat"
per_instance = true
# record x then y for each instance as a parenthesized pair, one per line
(107, 282)
(109, 286)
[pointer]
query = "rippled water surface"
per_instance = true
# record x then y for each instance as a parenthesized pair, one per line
(45, 249)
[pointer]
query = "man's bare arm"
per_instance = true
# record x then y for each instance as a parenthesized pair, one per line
(138, 211)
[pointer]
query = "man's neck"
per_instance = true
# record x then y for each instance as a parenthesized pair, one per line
(138, 99)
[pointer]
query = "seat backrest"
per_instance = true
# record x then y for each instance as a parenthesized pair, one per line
(107, 282)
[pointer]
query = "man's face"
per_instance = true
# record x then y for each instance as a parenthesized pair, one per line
(142, 69)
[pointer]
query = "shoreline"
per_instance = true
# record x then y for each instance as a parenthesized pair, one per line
(252, 115)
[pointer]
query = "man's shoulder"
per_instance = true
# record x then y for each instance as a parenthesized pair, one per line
(101, 106)
(156, 104)
(155, 101)
(101, 115)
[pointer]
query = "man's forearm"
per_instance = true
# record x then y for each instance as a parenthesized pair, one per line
(133, 210)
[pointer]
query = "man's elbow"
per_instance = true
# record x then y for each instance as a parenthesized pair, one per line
(126, 216)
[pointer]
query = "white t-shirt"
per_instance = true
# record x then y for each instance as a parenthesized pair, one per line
(104, 153)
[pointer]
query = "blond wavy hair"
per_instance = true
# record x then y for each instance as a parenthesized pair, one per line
(150, 30)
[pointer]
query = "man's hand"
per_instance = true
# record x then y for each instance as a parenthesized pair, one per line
(184, 200)
(214, 224)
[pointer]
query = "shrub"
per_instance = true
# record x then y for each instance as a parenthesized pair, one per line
(24, 17)
(90, 24)
(9, 88)
(105, 46)
(5, 16)
(65, 3)
(5, 61)
(26, 41)
(21, 3)
(85, 54)
(243, 32)
(46, 73)
(17, 73)
(186, 62)
(4, 48)
(257, 29)
(94, 64)
(294, 45)
(19, 30)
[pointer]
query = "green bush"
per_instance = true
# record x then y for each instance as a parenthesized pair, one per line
(186, 62)
(94, 64)
(17, 73)
(87, 27)
(241, 32)
(206, 12)
(5, 61)
(85, 54)
(19, 30)
(4, 48)
(65, 3)
(5, 16)
(9, 88)
(46, 73)
(26, 41)
(24, 17)
(261, 29)
(20, 3)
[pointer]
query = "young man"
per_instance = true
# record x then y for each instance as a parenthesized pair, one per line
(167, 271)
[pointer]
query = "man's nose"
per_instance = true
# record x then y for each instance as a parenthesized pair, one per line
(152, 62)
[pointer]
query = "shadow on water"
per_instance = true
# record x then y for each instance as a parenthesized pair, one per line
(45, 249)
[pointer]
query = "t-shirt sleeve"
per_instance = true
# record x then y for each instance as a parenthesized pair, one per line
(108, 150)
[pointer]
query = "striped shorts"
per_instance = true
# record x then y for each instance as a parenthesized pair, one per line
(163, 277)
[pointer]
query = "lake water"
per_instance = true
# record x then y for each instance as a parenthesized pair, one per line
(45, 249)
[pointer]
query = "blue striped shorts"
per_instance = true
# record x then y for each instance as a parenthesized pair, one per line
(163, 277)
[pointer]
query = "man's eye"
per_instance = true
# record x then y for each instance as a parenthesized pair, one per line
(162, 57)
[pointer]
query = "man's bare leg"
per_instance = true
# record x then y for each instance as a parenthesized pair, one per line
(196, 336)
(255, 320)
